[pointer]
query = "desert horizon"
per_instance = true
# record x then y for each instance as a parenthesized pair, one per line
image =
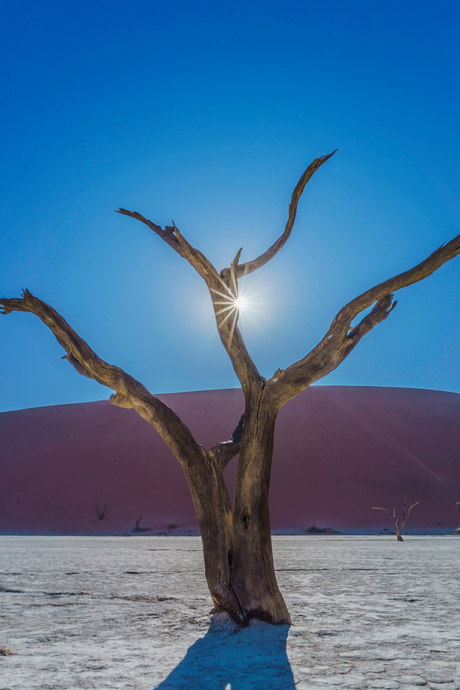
(339, 451)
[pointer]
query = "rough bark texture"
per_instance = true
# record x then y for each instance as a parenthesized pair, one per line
(253, 573)
(236, 539)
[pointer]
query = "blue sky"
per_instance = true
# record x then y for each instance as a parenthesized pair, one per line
(207, 113)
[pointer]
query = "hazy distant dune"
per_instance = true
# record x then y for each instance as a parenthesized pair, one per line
(338, 452)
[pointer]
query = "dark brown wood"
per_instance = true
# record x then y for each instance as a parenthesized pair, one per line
(236, 539)
(253, 573)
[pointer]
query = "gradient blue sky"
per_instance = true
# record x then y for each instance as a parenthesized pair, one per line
(207, 113)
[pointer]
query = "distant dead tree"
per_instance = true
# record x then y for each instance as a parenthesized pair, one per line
(236, 538)
(137, 528)
(100, 513)
(140, 529)
(406, 514)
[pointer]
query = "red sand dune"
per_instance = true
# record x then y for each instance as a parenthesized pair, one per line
(339, 451)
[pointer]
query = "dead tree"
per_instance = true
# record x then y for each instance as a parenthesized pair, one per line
(100, 513)
(406, 514)
(236, 538)
(140, 529)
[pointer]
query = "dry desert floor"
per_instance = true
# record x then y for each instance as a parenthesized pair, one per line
(118, 612)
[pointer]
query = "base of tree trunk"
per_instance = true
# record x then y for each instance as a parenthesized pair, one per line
(276, 614)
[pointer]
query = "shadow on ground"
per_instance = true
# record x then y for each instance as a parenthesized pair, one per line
(229, 658)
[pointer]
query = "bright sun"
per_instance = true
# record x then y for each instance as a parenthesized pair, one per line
(240, 303)
(231, 305)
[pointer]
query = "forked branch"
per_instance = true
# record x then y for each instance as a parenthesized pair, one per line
(223, 292)
(174, 238)
(223, 288)
(251, 266)
(406, 512)
(224, 452)
(393, 514)
(100, 513)
(440, 256)
(129, 392)
(341, 338)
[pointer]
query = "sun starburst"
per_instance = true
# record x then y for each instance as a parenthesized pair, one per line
(231, 305)
(240, 303)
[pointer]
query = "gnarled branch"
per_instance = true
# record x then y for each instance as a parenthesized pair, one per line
(440, 256)
(251, 266)
(223, 291)
(225, 451)
(341, 338)
(129, 392)
(223, 288)
(393, 514)
(172, 236)
(406, 513)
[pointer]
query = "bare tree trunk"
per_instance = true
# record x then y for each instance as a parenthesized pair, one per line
(214, 516)
(398, 532)
(237, 544)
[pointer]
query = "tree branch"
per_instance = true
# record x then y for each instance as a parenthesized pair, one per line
(130, 393)
(223, 288)
(225, 451)
(393, 514)
(440, 256)
(406, 515)
(172, 236)
(223, 291)
(251, 266)
(341, 339)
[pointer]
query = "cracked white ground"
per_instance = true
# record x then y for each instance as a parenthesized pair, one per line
(117, 612)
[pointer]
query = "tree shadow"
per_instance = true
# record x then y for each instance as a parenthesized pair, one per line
(231, 658)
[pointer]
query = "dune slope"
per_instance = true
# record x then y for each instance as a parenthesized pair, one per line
(339, 451)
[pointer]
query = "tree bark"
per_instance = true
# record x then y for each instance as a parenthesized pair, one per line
(237, 543)
(398, 532)
(253, 573)
(214, 516)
